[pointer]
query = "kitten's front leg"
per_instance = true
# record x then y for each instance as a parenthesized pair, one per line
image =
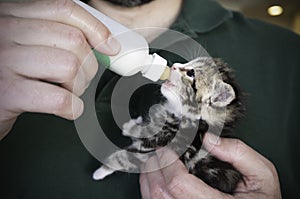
(132, 128)
(116, 161)
(125, 160)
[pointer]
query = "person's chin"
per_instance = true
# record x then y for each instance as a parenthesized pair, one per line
(129, 3)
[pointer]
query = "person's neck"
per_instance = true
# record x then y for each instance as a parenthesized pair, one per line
(158, 13)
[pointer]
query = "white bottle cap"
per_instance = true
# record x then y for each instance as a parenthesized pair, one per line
(155, 68)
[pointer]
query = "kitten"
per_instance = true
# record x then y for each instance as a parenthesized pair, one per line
(201, 96)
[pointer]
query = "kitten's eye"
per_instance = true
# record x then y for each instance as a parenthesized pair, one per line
(190, 73)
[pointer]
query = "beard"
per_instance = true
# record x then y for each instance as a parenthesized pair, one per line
(129, 3)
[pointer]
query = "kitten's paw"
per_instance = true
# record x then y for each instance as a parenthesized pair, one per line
(102, 172)
(127, 127)
(139, 120)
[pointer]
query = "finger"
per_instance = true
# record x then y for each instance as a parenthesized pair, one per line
(38, 32)
(170, 164)
(48, 64)
(189, 186)
(66, 12)
(236, 152)
(144, 186)
(40, 62)
(180, 183)
(78, 85)
(34, 96)
(172, 169)
(156, 180)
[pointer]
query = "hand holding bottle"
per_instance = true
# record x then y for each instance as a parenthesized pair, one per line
(42, 43)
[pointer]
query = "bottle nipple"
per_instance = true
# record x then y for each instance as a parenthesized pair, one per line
(166, 74)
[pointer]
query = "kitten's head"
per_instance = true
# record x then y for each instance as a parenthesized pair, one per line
(202, 89)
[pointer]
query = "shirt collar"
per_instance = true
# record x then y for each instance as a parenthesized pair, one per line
(200, 16)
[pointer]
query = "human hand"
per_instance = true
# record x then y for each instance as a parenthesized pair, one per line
(174, 181)
(43, 42)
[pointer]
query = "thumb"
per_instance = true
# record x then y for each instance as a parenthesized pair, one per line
(236, 152)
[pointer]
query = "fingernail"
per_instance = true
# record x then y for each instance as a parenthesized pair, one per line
(113, 45)
(77, 107)
(213, 139)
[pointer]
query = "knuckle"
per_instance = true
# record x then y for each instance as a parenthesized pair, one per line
(76, 38)
(100, 28)
(272, 169)
(64, 7)
(175, 186)
(156, 192)
(92, 68)
(79, 91)
(240, 148)
(79, 84)
(61, 102)
(70, 67)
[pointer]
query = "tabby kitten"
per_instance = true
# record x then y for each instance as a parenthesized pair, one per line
(201, 96)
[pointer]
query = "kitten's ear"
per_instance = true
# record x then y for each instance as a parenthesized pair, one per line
(222, 95)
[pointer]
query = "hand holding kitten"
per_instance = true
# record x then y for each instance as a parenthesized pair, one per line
(174, 181)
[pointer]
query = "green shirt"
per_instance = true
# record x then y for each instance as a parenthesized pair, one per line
(43, 157)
